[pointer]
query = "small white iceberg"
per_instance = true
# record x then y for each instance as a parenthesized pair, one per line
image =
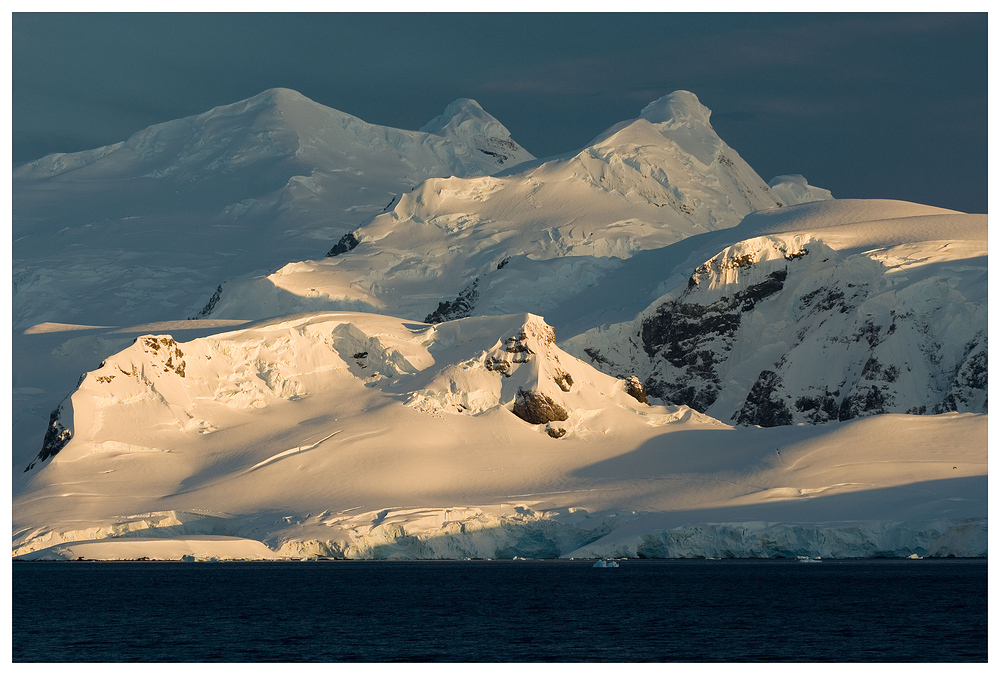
(807, 559)
(606, 563)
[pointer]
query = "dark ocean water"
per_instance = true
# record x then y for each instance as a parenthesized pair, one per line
(528, 611)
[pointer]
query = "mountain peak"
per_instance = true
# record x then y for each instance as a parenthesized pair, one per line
(277, 94)
(679, 107)
(280, 98)
(461, 112)
(465, 120)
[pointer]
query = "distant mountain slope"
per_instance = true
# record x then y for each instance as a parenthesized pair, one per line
(145, 227)
(643, 184)
(825, 311)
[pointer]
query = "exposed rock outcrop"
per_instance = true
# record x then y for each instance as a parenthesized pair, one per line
(347, 243)
(459, 308)
(634, 388)
(56, 438)
(536, 408)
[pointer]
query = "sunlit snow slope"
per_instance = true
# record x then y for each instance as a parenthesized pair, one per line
(366, 436)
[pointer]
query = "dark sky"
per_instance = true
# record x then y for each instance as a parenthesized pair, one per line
(865, 105)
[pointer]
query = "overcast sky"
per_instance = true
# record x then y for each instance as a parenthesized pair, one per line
(891, 106)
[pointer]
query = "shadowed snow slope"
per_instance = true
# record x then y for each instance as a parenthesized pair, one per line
(558, 224)
(366, 436)
(825, 311)
(149, 226)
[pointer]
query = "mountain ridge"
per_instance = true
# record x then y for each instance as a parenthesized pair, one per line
(237, 190)
(637, 187)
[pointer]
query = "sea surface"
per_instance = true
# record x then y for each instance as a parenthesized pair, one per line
(501, 611)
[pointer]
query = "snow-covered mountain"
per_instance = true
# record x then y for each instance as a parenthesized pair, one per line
(146, 228)
(726, 367)
(367, 436)
(457, 245)
(825, 311)
(143, 231)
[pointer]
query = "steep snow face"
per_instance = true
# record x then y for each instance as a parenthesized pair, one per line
(826, 311)
(795, 189)
(466, 121)
(238, 190)
(643, 184)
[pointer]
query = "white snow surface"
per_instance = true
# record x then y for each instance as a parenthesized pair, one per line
(363, 436)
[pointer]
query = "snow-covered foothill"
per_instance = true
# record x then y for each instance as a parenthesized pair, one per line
(354, 435)
(182, 390)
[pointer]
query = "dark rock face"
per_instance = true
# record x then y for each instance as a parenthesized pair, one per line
(459, 308)
(56, 438)
(207, 309)
(536, 408)
(500, 149)
(823, 300)
(596, 357)
(517, 346)
(969, 382)
(347, 243)
(864, 401)
(564, 380)
(831, 336)
(821, 408)
(497, 365)
(689, 337)
(634, 388)
(694, 338)
(167, 349)
(764, 404)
